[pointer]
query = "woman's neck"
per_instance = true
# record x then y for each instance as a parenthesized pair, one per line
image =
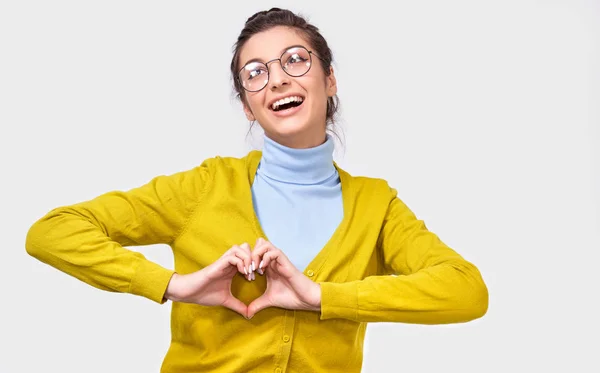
(300, 166)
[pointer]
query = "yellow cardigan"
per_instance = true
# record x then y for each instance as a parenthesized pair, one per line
(204, 211)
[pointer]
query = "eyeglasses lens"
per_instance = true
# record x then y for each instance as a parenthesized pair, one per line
(295, 61)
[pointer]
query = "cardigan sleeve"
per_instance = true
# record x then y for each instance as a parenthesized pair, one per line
(432, 284)
(86, 240)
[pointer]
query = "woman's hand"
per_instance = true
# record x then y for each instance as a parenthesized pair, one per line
(287, 287)
(211, 286)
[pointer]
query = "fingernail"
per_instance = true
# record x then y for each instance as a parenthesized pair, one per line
(260, 265)
(253, 269)
(245, 271)
(253, 277)
(260, 271)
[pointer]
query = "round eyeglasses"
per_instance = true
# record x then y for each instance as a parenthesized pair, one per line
(295, 61)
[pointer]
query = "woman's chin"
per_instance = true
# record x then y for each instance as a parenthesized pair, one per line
(287, 138)
(296, 136)
(289, 126)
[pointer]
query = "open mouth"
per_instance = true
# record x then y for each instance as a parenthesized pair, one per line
(287, 103)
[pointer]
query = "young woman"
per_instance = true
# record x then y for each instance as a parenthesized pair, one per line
(281, 257)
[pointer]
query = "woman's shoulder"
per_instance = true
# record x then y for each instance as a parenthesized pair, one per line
(220, 163)
(218, 170)
(363, 184)
(241, 165)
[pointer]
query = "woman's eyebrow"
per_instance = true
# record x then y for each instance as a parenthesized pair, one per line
(280, 53)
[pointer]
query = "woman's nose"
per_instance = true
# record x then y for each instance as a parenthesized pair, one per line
(277, 76)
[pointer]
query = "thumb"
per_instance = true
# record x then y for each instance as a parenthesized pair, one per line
(258, 305)
(236, 305)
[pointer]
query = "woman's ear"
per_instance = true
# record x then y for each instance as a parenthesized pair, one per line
(331, 83)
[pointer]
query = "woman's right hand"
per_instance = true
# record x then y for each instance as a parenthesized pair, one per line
(211, 286)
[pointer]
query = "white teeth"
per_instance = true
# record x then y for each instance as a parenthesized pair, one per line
(286, 101)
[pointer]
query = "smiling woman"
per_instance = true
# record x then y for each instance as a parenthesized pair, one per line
(279, 56)
(330, 252)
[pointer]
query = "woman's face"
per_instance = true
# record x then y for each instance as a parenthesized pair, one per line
(300, 127)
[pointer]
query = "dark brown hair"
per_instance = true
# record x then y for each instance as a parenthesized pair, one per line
(267, 19)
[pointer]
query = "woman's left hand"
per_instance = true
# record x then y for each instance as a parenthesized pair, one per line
(287, 287)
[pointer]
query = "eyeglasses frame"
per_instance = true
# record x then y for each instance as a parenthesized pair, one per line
(310, 54)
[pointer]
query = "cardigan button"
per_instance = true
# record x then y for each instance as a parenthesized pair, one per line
(278, 370)
(286, 338)
(310, 273)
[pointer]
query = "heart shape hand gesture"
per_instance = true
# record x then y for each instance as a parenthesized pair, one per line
(287, 287)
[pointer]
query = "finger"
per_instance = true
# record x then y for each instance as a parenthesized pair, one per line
(262, 246)
(236, 262)
(236, 305)
(259, 250)
(273, 256)
(258, 305)
(278, 261)
(245, 247)
(222, 267)
(243, 252)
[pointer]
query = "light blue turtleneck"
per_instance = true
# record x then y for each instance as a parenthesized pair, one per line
(297, 198)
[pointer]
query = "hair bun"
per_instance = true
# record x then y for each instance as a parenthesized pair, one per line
(263, 13)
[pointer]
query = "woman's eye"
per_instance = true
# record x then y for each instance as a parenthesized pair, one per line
(254, 73)
(295, 58)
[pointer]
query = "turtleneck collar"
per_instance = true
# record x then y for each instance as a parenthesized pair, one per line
(298, 166)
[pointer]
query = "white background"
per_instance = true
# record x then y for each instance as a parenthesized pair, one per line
(484, 115)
